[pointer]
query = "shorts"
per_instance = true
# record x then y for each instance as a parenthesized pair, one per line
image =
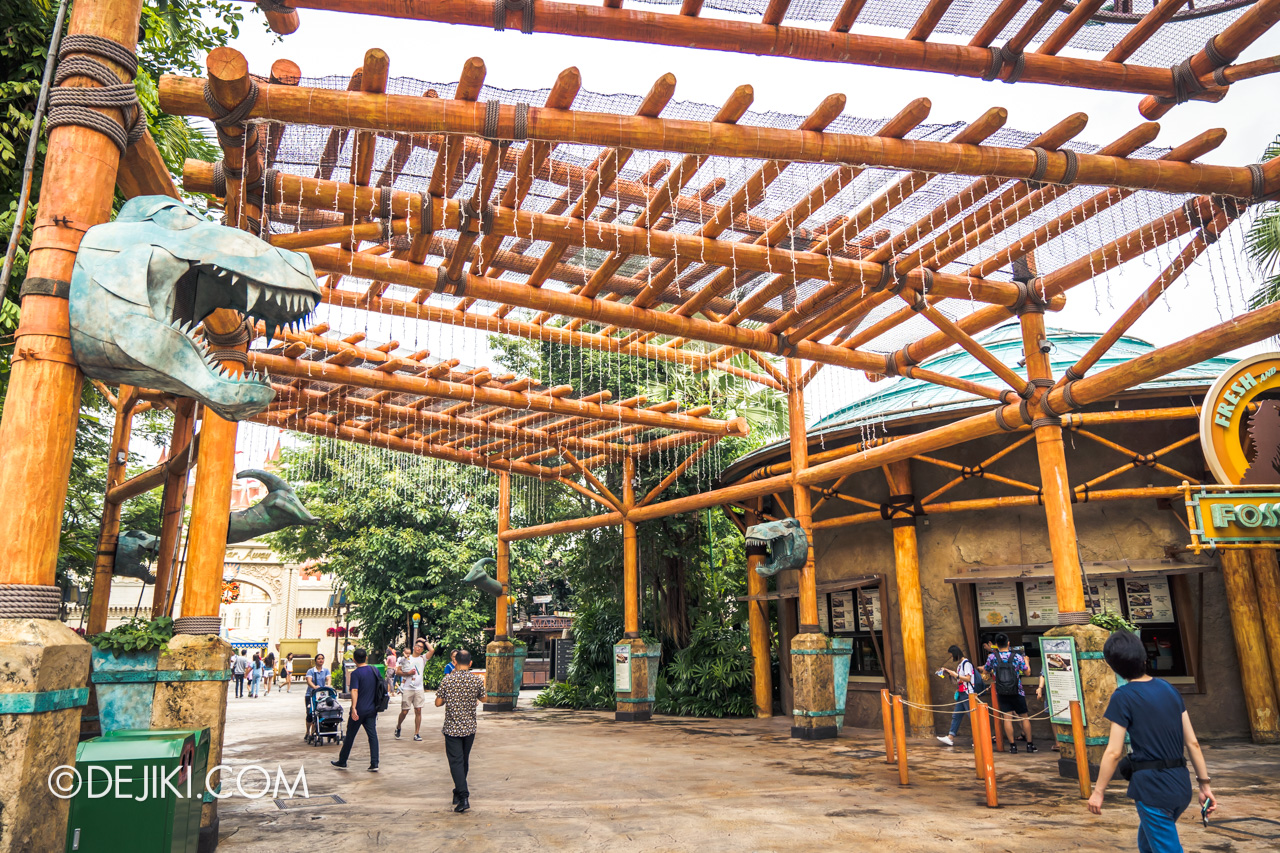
(410, 698)
(1013, 704)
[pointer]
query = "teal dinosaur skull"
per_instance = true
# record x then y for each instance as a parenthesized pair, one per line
(478, 578)
(783, 544)
(143, 282)
(278, 510)
(134, 549)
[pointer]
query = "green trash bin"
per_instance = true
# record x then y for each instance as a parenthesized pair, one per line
(123, 801)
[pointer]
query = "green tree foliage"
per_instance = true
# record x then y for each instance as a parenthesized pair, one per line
(1262, 244)
(400, 534)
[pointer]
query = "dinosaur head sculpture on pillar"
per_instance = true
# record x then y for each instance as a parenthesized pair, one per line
(278, 510)
(478, 578)
(783, 544)
(134, 550)
(143, 282)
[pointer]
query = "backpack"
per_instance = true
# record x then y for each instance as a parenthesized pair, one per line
(381, 698)
(1006, 676)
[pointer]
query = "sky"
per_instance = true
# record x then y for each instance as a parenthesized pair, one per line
(334, 43)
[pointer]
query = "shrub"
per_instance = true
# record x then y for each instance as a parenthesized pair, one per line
(136, 635)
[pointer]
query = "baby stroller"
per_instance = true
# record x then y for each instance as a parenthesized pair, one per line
(327, 712)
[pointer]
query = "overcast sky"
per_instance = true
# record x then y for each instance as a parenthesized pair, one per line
(334, 43)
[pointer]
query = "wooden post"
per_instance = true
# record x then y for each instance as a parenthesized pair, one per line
(900, 739)
(1266, 578)
(501, 690)
(758, 630)
(630, 553)
(996, 719)
(906, 557)
(800, 494)
(886, 716)
(503, 557)
(172, 503)
(988, 762)
(1081, 749)
(109, 529)
(1251, 646)
(976, 710)
(1055, 486)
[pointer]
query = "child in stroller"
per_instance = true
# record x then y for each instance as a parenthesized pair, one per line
(328, 715)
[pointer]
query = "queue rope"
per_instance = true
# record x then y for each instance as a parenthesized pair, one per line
(950, 709)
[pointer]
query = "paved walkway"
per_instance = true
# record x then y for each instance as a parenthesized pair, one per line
(562, 781)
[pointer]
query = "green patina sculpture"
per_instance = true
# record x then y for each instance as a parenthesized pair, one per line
(480, 580)
(783, 544)
(278, 510)
(133, 551)
(145, 281)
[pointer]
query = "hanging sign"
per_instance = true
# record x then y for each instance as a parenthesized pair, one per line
(1240, 431)
(998, 604)
(1061, 678)
(1104, 594)
(1042, 602)
(1221, 517)
(622, 668)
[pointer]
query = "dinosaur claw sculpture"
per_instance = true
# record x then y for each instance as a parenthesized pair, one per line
(783, 544)
(133, 551)
(278, 510)
(478, 578)
(144, 282)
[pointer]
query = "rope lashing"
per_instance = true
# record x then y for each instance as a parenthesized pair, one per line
(901, 510)
(501, 7)
(1072, 168)
(1082, 496)
(1211, 51)
(889, 273)
(1004, 425)
(79, 105)
(891, 360)
(275, 6)
(238, 337)
(445, 284)
(196, 625)
(1042, 166)
(1072, 374)
(1030, 300)
(519, 128)
(1143, 459)
(1046, 421)
(227, 118)
(921, 301)
(970, 471)
(23, 601)
(1002, 56)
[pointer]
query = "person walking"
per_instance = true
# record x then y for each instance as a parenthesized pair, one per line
(963, 675)
(1006, 668)
(269, 670)
(317, 677)
(1155, 719)
(255, 676)
(286, 673)
(459, 693)
(413, 695)
(364, 711)
(453, 662)
(392, 665)
(238, 666)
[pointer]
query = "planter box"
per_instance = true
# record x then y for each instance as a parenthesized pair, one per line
(125, 684)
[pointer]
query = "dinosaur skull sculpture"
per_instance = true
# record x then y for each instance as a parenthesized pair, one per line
(143, 282)
(134, 549)
(278, 510)
(478, 578)
(783, 544)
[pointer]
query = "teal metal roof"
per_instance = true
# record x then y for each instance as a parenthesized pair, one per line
(903, 397)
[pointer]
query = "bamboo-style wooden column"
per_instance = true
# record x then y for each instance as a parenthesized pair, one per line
(1251, 647)
(906, 561)
(109, 529)
(800, 494)
(37, 438)
(500, 686)
(758, 629)
(630, 553)
(1055, 486)
(1266, 579)
(172, 501)
(500, 626)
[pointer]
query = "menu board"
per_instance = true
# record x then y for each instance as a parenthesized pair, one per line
(622, 668)
(869, 609)
(842, 616)
(1042, 602)
(1061, 677)
(824, 619)
(1106, 593)
(998, 604)
(1149, 600)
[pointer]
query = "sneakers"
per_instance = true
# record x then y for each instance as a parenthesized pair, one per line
(339, 766)
(1013, 749)
(947, 740)
(397, 732)
(1031, 747)
(373, 769)
(417, 737)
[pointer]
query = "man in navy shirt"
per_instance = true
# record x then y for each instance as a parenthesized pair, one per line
(364, 714)
(1153, 715)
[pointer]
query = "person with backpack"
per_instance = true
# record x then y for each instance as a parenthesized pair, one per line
(964, 676)
(368, 697)
(239, 663)
(1006, 667)
(1151, 713)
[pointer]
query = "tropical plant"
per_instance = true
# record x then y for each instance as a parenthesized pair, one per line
(136, 635)
(1112, 621)
(1262, 244)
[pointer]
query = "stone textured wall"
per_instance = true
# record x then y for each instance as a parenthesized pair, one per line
(1133, 529)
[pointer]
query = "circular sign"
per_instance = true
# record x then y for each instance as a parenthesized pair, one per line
(1241, 442)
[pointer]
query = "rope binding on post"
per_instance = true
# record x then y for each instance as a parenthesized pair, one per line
(79, 105)
(24, 601)
(501, 7)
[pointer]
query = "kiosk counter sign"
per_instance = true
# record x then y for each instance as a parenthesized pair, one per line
(1061, 678)
(1239, 427)
(622, 668)
(1223, 517)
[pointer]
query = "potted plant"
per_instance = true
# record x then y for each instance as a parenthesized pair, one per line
(125, 660)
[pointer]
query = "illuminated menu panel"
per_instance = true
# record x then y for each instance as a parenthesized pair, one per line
(1149, 600)
(998, 604)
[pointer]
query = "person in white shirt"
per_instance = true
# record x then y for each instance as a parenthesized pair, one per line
(412, 693)
(964, 676)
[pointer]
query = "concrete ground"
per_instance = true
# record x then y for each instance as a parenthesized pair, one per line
(554, 780)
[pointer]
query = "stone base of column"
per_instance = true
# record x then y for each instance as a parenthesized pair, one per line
(43, 664)
(813, 686)
(196, 705)
(1097, 683)
(500, 690)
(636, 705)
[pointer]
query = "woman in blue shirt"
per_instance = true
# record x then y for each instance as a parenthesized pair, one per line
(1153, 715)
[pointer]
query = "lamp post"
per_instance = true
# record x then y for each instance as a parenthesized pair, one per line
(416, 618)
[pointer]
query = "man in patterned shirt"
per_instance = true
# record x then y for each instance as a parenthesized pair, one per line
(459, 693)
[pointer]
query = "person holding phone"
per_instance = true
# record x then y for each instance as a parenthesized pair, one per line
(1151, 712)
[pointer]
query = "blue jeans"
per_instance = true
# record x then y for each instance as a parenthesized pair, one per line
(1157, 830)
(961, 711)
